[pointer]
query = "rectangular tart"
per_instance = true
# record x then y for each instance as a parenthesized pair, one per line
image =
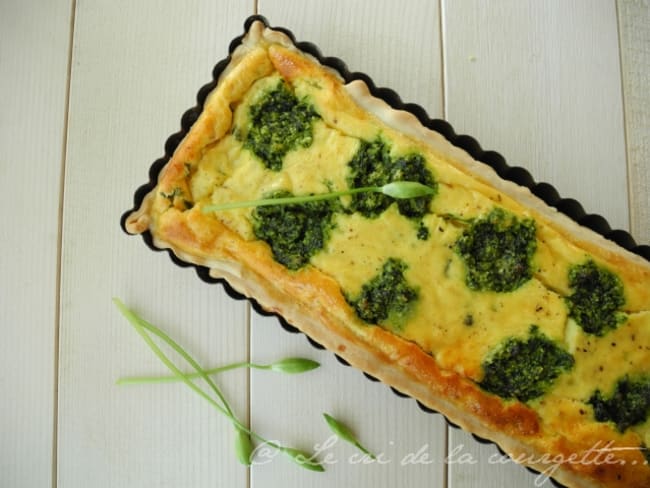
(475, 297)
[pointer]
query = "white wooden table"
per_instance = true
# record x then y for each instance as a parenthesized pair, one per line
(90, 90)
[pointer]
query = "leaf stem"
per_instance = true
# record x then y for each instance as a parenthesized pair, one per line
(265, 202)
(395, 189)
(134, 380)
(291, 365)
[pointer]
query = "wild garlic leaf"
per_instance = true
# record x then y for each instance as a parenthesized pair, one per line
(243, 446)
(287, 365)
(345, 433)
(407, 189)
(294, 365)
(396, 189)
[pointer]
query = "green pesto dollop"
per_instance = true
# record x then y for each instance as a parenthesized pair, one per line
(524, 369)
(387, 297)
(596, 299)
(372, 165)
(279, 123)
(627, 405)
(294, 231)
(497, 250)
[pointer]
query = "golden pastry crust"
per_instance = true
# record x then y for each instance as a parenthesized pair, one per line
(565, 446)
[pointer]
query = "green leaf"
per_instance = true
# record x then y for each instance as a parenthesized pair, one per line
(345, 433)
(294, 365)
(396, 189)
(407, 189)
(243, 446)
(135, 380)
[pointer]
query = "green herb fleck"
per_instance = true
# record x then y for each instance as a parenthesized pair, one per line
(171, 196)
(596, 299)
(423, 232)
(372, 165)
(295, 231)
(524, 369)
(627, 405)
(497, 250)
(387, 297)
(468, 320)
(279, 123)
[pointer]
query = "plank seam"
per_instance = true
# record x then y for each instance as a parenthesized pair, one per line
(443, 105)
(628, 170)
(248, 321)
(59, 245)
(443, 71)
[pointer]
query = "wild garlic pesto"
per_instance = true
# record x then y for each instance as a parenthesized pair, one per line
(279, 123)
(596, 299)
(387, 298)
(295, 232)
(627, 405)
(497, 249)
(373, 165)
(524, 368)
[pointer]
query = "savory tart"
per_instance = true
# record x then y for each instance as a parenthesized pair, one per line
(475, 298)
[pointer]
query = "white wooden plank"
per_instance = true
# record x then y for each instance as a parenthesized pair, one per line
(397, 44)
(634, 31)
(34, 40)
(538, 82)
(473, 464)
(136, 67)
(410, 444)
